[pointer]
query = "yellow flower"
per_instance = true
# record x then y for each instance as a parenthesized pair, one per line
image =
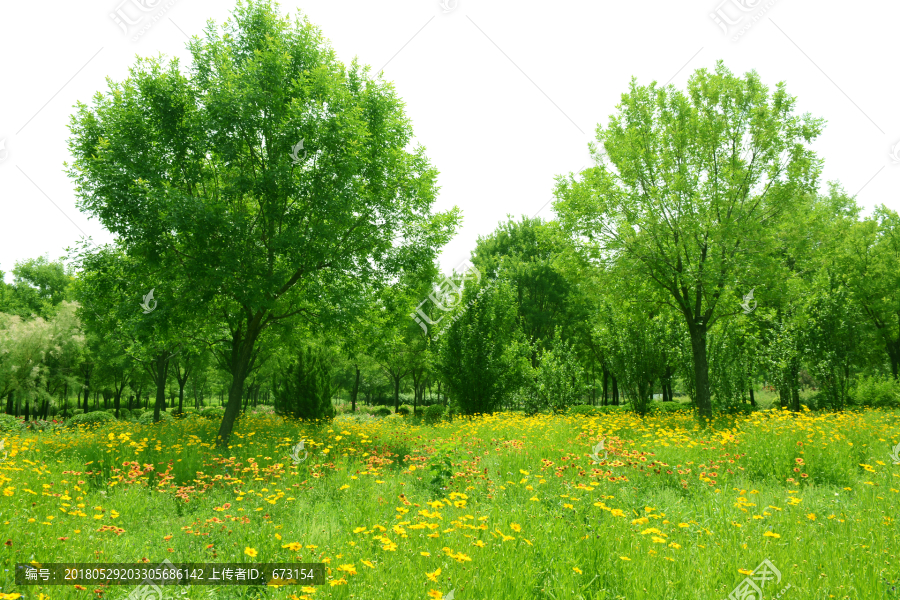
(368, 564)
(435, 594)
(515, 527)
(811, 516)
(624, 558)
(425, 553)
(250, 552)
(113, 514)
(577, 570)
(771, 535)
(745, 572)
(433, 576)
(293, 546)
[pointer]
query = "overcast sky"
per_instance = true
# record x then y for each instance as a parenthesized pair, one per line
(503, 95)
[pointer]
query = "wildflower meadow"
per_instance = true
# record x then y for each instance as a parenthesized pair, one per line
(503, 506)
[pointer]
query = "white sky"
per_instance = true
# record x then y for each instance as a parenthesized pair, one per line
(503, 95)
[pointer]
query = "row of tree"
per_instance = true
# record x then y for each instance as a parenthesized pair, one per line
(697, 254)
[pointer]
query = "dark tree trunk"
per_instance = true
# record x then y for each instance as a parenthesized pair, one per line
(27, 406)
(615, 391)
(701, 371)
(9, 404)
(605, 400)
(160, 374)
(396, 393)
(355, 390)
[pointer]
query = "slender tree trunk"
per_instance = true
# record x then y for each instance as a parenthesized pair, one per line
(615, 391)
(396, 393)
(9, 404)
(160, 375)
(355, 390)
(605, 400)
(27, 406)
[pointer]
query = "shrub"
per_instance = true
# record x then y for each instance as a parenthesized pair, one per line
(213, 412)
(147, 417)
(583, 409)
(77, 411)
(880, 392)
(434, 413)
(97, 417)
(668, 407)
(10, 423)
(305, 389)
(124, 413)
(404, 409)
(383, 412)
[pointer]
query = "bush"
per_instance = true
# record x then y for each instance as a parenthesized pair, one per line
(10, 423)
(98, 417)
(77, 411)
(880, 392)
(147, 417)
(213, 412)
(305, 388)
(583, 409)
(405, 409)
(668, 407)
(383, 412)
(124, 413)
(434, 413)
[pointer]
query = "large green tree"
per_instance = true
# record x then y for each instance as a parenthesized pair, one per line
(686, 189)
(272, 178)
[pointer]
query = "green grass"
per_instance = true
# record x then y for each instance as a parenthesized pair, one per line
(522, 512)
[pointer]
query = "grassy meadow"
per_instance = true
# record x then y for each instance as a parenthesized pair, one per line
(501, 507)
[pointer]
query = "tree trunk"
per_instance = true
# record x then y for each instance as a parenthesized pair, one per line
(615, 391)
(396, 393)
(605, 400)
(701, 371)
(160, 376)
(355, 390)
(9, 403)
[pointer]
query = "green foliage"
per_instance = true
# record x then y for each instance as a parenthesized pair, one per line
(213, 412)
(583, 409)
(77, 412)
(434, 413)
(558, 382)
(92, 418)
(10, 423)
(147, 417)
(383, 412)
(405, 410)
(305, 388)
(484, 356)
(877, 391)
